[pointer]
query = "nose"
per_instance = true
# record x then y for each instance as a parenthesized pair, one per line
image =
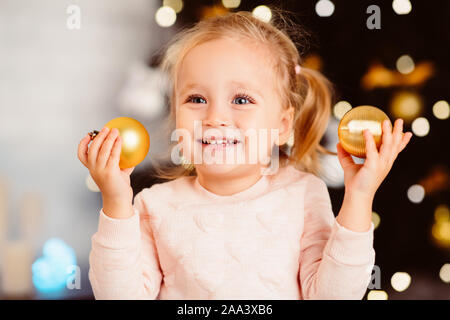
(217, 117)
(215, 123)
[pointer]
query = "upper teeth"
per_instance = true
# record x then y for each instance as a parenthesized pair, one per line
(219, 141)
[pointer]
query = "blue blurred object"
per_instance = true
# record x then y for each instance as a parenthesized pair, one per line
(52, 271)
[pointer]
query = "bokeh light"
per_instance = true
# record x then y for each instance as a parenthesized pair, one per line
(50, 273)
(444, 273)
(441, 232)
(400, 281)
(406, 105)
(401, 6)
(375, 219)
(212, 11)
(341, 108)
(441, 110)
(442, 213)
(262, 13)
(441, 227)
(377, 295)
(405, 64)
(165, 16)
(231, 4)
(420, 127)
(416, 193)
(313, 61)
(324, 8)
(176, 5)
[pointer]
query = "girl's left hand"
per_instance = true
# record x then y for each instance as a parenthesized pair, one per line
(364, 179)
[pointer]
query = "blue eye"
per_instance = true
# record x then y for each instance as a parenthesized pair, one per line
(241, 96)
(244, 97)
(192, 97)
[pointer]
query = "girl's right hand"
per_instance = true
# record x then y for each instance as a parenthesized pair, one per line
(102, 160)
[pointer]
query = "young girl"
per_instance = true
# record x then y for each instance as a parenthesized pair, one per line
(227, 230)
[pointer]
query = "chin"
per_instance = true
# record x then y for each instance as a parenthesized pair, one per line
(224, 169)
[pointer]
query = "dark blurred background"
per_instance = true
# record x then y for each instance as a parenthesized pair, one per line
(68, 67)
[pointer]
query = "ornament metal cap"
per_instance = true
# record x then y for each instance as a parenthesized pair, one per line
(93, 133)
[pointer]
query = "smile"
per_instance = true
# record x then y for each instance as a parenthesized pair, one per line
(219, 142)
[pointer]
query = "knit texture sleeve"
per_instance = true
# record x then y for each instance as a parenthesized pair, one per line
(335, 262)
(123, 259)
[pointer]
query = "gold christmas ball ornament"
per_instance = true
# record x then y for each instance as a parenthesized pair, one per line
(135, 140)
(353, 124)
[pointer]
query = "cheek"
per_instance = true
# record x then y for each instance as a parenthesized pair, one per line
(261, 126)
(252, 120)
(186, 118)
(258, 123)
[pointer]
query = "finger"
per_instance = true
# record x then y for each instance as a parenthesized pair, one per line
(344, 157)
(82, 150)
(94, 148)
(406, 138)
(114, 158)
(398, 133)
(386, 139)
(106, 147)
(371, 148)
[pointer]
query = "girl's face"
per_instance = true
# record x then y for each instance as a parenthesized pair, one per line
(226, 90)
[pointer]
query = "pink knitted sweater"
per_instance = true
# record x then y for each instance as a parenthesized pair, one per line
(277, 239)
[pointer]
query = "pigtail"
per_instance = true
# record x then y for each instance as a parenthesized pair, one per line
(311, 120)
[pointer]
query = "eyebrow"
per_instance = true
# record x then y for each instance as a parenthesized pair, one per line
(245, 86)
(190, 86)
(237, 84)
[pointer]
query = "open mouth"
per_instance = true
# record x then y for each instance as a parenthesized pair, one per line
(220, 142)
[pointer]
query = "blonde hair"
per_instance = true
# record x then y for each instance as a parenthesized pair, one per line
(308, 92)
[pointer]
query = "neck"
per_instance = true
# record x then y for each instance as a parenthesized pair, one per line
(231, 184)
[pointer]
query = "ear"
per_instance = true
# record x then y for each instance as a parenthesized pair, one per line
(286, 123)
